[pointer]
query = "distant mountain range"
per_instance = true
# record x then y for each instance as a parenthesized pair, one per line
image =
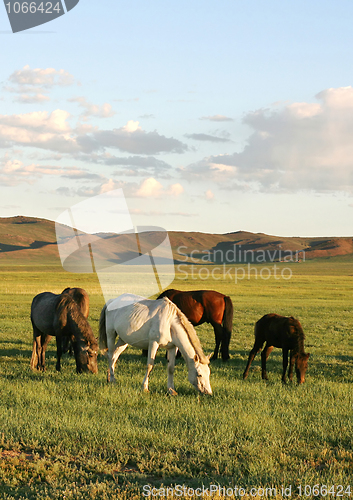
(28, 240)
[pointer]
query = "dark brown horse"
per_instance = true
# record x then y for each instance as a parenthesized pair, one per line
(60, 316)
(285, 333)
(207, 306)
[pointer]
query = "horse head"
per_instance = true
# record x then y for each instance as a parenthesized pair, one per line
(301, 365)
(199, 376)
(86, 360)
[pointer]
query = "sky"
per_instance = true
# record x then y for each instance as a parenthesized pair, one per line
(211, 116)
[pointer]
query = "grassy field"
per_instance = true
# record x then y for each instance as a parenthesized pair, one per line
(64, 436)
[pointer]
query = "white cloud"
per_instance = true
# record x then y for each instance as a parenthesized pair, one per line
(38, 129)
(51, 131)
(206, 137)
(40, 121)
(14, 172)
(150, 188)
(32, 98)
(131, 126)
(32, 85)
(209, 195)
(147, 188)
(103, 111)
(41, 77)
(299, 146)
(131, 139)
(175, 189)
(107, 186)
(217, 118)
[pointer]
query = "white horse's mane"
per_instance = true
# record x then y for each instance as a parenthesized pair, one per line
(190, 330)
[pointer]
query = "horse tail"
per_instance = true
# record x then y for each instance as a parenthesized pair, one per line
(34, 357)
(257, 329)
(103, 345)
(227, 321)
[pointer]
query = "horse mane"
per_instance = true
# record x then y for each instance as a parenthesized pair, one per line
(81, 297)
(190, 330)
(67, 307)
(299, 333)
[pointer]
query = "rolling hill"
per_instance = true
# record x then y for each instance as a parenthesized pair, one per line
(28, 240)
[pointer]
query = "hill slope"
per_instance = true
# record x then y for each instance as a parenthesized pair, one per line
(27, 240)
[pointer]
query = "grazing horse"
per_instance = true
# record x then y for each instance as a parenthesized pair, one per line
(285, 333)
(207, 306)
(81, 297)
(60, 316)
(151, 324)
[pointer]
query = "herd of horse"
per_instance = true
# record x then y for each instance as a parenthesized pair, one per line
(166, 322)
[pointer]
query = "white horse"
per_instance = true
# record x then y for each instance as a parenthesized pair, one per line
(149, 324)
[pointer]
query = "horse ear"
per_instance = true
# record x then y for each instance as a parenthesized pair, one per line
(308, 355)
(196, 358)
(210, 356)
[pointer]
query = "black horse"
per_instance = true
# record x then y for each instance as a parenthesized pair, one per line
(285, 333)
(61, 316)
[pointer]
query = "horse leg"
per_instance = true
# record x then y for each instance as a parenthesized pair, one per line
(225, 344)
(218, 333)
(171, 365)
(113, 358)
(35, 353)
(152, 351)
(291, 364)
(44, 343)
(76, 354)
(37, 348)
(59, 351)
(285, 364)
(264, 357)
(253, 352)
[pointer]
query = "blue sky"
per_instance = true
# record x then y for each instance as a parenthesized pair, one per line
(212, 117)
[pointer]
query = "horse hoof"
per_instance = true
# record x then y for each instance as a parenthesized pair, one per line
(172, 392)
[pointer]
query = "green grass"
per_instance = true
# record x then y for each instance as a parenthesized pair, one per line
(69, 436)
